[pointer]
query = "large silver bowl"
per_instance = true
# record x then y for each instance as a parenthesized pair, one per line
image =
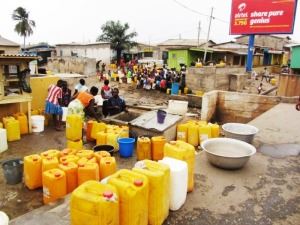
(227, 153)
(240, 131)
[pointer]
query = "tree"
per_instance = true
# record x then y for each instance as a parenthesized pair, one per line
(24, 25)
(116, 34)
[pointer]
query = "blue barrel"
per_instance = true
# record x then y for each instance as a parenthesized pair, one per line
(175, 88)
(126, 147)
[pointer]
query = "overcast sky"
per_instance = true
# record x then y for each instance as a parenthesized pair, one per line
(65, 21)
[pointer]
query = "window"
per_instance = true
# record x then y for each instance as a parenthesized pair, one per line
(148, 54)
(236, 60)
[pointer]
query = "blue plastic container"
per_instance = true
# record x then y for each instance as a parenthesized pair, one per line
(175, 88)
(126, 147)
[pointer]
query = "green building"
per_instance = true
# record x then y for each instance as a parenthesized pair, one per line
(295, 57)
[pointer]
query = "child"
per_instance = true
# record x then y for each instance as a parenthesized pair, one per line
(260, 88)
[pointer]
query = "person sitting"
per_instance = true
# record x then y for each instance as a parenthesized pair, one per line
(260, 88)
(114, 104)
(106, 90)
(83, 104)
(80, 87)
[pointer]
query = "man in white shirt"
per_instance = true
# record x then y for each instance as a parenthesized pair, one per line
(80, 87)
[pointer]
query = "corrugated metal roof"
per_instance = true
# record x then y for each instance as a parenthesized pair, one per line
(83, 44)
(13, 56)
(182, 42)
(6, 42)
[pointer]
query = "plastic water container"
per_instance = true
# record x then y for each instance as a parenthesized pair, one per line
(3, 140)
(22, 118)
(49, 163)
(54, 185)
(88, 171)
(68, 151)
(159, 182)
(13, 171)
(157, 147)
(175, 88)
(101, 138)
(204, 133)
(97, 127)
(133, 189)
(177, 107)
(94, 203)
(101, 154)
(178, 181)
(143, 148)
(182, 151)
(89, 128)
(53, 153)
(12, 127)
(74, 127)
(4, 220)
(112, 139)
(85, 160)
(69, 158)
(193, 134)
(108, 166)
(78, 145)
(37, 123)
(126, 146)
(70, 169)
(182, 132)
(161, 116)
(65, 113)
(33, 171)
(215, 130)
(85, 153)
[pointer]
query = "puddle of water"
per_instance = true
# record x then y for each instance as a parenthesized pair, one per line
(280, 150)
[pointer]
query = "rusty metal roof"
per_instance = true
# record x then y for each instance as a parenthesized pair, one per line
(17, 56)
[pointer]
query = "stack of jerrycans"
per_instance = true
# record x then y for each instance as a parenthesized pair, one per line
(159, 182)
(185, 152)
(133, 189)
(94, 203)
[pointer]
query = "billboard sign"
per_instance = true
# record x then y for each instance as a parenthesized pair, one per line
(262, 16)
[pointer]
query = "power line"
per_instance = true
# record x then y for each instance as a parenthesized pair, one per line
(199, 13)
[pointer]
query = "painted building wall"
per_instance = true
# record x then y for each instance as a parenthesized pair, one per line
(176, 57)
(98, 52)
(295, 59)
(9, 50)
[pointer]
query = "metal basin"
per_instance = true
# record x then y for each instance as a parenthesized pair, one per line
(228, 153)
(240, 131)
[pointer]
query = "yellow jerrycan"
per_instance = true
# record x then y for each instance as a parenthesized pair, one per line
(88, 171)
(204, 132)
(85, 160)
(159, 182)
(108, 166)
(124, 132)
(22, 118)
(85, 153)
(74, 127)
(49, 163)
(157, 147)
(101, 154)
(112, 139)
(68, 151)
(215, 130)
(182, 132)
(193, 134)
(97, 127)
(53, 153)
(54, 185)
(33, 171)
(101, 138)
(70, 169)
(89, 128)
(185, 152)
(143, 148)
(78, 145)
(69, 158)
(133, 189)
(93, 203)
(12, 127)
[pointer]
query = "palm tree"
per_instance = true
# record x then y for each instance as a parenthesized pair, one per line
(116, 34)
(24, 25)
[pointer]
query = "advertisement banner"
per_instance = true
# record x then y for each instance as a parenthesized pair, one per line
(262, 16)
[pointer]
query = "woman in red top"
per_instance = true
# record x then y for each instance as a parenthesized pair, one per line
(84, 103)
(53, 103)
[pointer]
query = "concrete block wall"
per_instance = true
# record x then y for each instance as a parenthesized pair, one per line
(224, 106)
(85, 66)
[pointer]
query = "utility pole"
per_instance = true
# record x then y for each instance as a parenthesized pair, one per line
(199, 30)
(207, 39)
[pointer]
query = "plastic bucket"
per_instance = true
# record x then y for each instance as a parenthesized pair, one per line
(37, 123)
(175, 88)
(108, 148)
(65, 113)
(126, 146)
(161, 115)
(13, 171)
